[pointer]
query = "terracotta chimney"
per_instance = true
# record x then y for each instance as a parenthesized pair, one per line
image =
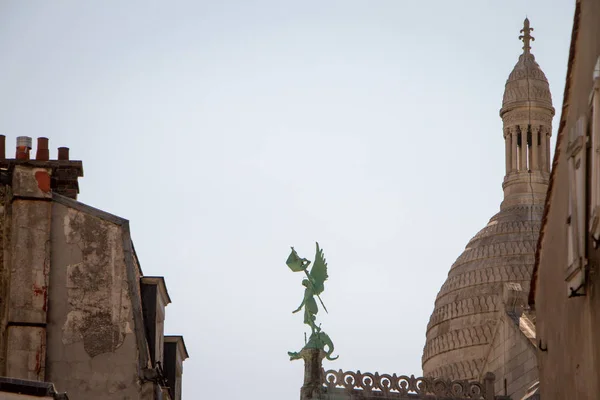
(42, 153)
(63, 153)
(23, 147)
(2, 147)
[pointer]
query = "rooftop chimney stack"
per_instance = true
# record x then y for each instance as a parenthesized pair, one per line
(64, 173)
(23, 147)
(42, 153)
(63, 154)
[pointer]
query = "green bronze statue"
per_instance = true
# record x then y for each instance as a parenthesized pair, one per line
(314, 285)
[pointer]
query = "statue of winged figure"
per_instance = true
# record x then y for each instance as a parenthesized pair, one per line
(314, 284)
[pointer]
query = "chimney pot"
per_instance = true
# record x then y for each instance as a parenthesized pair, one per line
(42, 153)
(23, 147)
(63, 153)
(24, 141)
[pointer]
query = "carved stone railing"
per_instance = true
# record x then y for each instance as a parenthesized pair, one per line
(385, 386)
(347, 385)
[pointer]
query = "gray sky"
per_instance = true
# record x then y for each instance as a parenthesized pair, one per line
(227, 131)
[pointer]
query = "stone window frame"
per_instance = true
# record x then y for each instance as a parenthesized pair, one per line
(594, 221)
(576, 221)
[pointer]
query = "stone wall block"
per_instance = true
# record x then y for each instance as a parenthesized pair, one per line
(31, 182)
(26, 352)
(30, 261)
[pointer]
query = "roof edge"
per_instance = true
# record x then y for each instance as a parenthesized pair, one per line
(69, 202)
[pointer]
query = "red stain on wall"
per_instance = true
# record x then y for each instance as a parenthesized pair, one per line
(43, 180)
(40, 355)
(41, 291)
(38, 362)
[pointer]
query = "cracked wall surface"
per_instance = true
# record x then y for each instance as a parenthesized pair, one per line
(92, 351)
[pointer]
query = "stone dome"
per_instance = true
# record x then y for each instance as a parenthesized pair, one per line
(499, 259)
(467, 308)
(526, 84)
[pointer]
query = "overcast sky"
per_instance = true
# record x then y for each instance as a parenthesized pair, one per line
(227, 131)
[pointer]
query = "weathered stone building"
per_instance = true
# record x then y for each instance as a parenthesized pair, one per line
(75, 307)
(479, 323)
(564, 289)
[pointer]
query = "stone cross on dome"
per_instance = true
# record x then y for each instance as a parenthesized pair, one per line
(526, 36)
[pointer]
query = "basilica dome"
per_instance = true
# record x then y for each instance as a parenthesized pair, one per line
(472, 303)
(468, 306)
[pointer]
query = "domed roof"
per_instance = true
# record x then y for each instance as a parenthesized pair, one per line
(467, 308)
(471, 304)
(527, 84)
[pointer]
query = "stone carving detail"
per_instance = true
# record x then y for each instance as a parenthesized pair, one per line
(402, 385)
(532, 73)
(473, 305)
(489, 275)
(456, 339)
(516, 116)
(461, 369)
(495, 250)
(509, 227)
(522, 94)
(527, 82)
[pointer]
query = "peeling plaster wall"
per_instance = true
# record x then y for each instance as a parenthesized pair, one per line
(92, 351)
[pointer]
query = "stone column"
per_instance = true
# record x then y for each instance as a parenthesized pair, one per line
(514, 148)
(543, 146)
(488, 385)
(508, 150)
(548, 160)
(523, 160)
(312, 374)
(535, 149)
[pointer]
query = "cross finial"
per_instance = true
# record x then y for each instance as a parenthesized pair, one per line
(526, 36)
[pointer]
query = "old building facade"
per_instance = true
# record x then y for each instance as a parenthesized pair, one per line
(76, 309)
(479, 323)
(564, 288)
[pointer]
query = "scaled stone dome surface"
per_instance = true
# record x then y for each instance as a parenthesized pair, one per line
(527, 82)
(467, 308)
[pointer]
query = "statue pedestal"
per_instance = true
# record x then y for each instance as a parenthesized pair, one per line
(313, 384)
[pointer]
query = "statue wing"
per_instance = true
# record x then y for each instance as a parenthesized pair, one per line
(318, 273)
